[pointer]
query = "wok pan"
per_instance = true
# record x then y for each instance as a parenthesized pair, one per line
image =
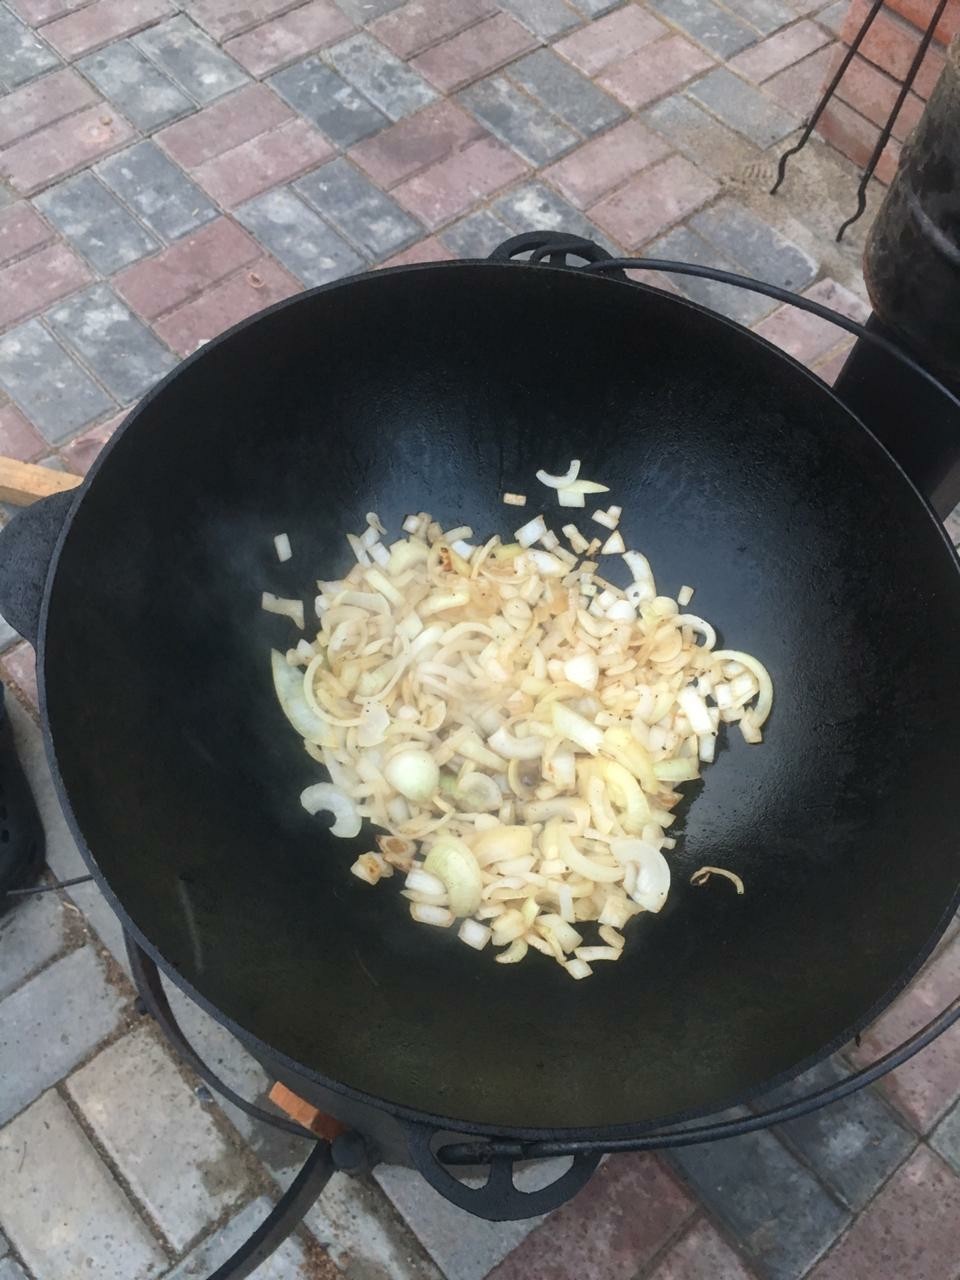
(439, 387)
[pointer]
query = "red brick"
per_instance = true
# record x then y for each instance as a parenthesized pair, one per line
(834, 295)
(41, 103)
(654, 70)
(188, 267)
(37, 11)
(257, 286)
(81, 453)
(35, 282)
(19, 666)
(414, 26)
(800, 86)
(101, 22)
(873, 94)
(426, 138)
(806, 337)
(779, 51)
(605, 162)
(611, 38)
(627, 1210)
(702, 1254)
(929, 73)
(909, 1232)
(263, 162)
(429, 250)
(926, 1086)
(289, 37)
(890, 44)
(653, 201)
(474, 53)
(226, 124)
(222, 18)
(18, 439)
(829, 367)
(919, 13)
(450, 187)
(61, 148)
(856, 137)
(21, 229)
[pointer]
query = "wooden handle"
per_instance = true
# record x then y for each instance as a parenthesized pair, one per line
(22, 483)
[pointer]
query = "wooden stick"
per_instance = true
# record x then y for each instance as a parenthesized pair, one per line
(306, 1113)
(22, 483)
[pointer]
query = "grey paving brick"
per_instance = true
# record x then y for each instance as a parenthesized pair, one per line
(571, 96)
(326, 99)
(120, 349)
(173, 1156)
(96, 223)
(476, 235)
(364, 1235)
(700, 136)
(854, 1145)
(760, 249)
(535, 207)
(596, 8)
(946, 1137)
(952, 523)
(296, 235)
(713, 27)
(51, 1023)
(4, 1245)
(7, 634)
(545, 18)
(191, 59)
(684, 245)
(49, 386)
(11, 1270)
(781, 1215)
(30, 935)
(23, 56)
(766, 15)
(289, 1262)
(360, 11)
(380, 76)
(146, 96)
(65, 1214)
(358, 209)
(743, 108)
(834, 16)
(518, 121)
(157, 190)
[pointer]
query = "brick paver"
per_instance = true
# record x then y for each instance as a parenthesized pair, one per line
(170, 167)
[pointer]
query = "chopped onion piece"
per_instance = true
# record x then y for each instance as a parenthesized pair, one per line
(514, 952)
(582, 670)
(684, 596)
(420, 881)
(561, 482)
(423, 913)
(575, 538)
(695, 709)
(603, 518)
(531, 532)
(515, 499)
(282, 544)
(584, 486)
(597, 953)
(379, 554)
(571, 498)
(414, 774)
(570, 724)
(578, 969)
(323, 795)
(292, 609)
(474, 934)
(452, 862)
(704, 874)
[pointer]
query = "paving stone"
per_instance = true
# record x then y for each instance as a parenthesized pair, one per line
(545, 18)
(518, 120)
(157, 190)
(96, 223)
(699, 136)
(42, 102)
(654, 70)
(164, 1143)
(568, 94)
(63, 1211)
(423, 139)
(476, 235)
(191, 59)
(446, 190)
(593, 169)
(362, 11)
(626, 1212)
(4, 1246)
(946, 1137)
(782, 50)
(684, 245)
(225, 18)
(82, 451)
(702, 1254)
(226, 124)
(105, 20)
(301, 240)
(419, 23)
(48, 385)
(755, 1186)
(430, 249)
(18, 439)
(743, 108)
(19, 664)
(766, 15)
(653, 201)
(715, 28)
(358, 209)
(62, 148)
(380, 76)
(806, 337)
(187, 268)
(834, 16)
(225, 304)
(11, 1270)
(334, 106)
(611, 38)
(534, 207)
(266, 161)
(120, 350)
(131, 81)
(288, 1262)
(21, 231)
(595, 8)
(908, 1230)
(36, 12)
(363, 1234)
(291, 36)
(474, 53)
(51, 1023)
(30, 935)
(760, 249)
(22, 55)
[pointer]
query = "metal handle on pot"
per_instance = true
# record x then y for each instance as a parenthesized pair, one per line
(26, 549)
(498, 1200)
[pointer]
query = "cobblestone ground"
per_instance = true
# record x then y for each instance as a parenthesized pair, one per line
(167, 169)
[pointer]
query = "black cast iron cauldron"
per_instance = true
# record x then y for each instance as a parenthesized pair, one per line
(439, 387)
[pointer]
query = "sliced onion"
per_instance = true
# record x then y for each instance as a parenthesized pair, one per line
(282, 545)
(570, 724)
(704, 874)
(292, 609)
(288, 684)
(452, 861)
(323, 795)
(474, 934)
(531, 532)
(561, 482)
(414, 773)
